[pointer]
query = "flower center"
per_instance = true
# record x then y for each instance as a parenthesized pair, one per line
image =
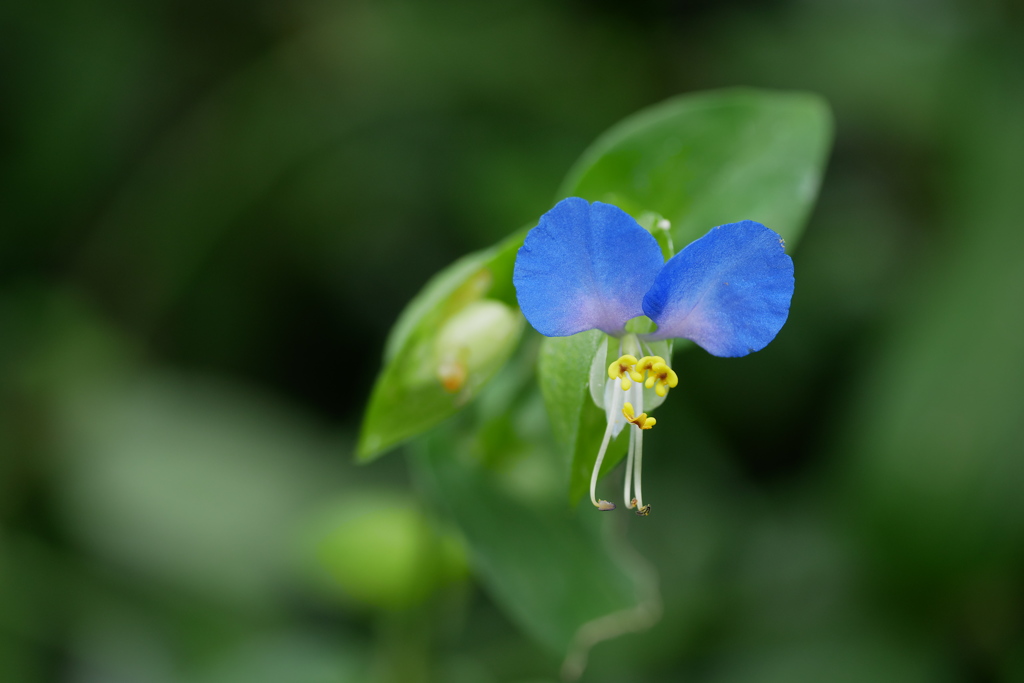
(626, 407)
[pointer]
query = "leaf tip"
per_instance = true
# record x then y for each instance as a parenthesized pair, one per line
(370, 447)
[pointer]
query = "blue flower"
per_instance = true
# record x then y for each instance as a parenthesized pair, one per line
(591, 266)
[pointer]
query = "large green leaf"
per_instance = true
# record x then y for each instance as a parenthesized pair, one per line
(699, 161)
(446, 345)
(553, 571)
(712, 158)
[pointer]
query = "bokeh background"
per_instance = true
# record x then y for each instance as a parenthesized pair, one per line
(212, 212)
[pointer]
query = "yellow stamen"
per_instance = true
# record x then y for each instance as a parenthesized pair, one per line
(647, 362)
(641, 420)
(622, 370)
(662, 378)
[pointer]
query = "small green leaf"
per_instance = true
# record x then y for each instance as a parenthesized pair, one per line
(446, 345)
(578, 424)
(561, 364)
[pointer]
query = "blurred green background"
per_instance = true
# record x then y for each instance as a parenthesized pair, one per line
(211, 213)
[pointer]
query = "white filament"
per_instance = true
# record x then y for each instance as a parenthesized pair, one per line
(614, 400)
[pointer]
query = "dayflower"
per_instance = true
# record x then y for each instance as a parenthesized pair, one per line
(591, 266)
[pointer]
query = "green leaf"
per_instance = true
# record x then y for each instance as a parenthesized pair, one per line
(446, 345)
(698, 161)
(578, 424)
(562, 361)
(712, 158)
(552, 570)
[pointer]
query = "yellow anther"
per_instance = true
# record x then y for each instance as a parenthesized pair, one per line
(641, 420)
(621, 366)
(644, 511)
(622, 369)
(647, 362)
(662, 378)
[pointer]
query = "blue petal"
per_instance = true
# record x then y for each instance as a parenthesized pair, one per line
(729, 291)
(585, 266)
